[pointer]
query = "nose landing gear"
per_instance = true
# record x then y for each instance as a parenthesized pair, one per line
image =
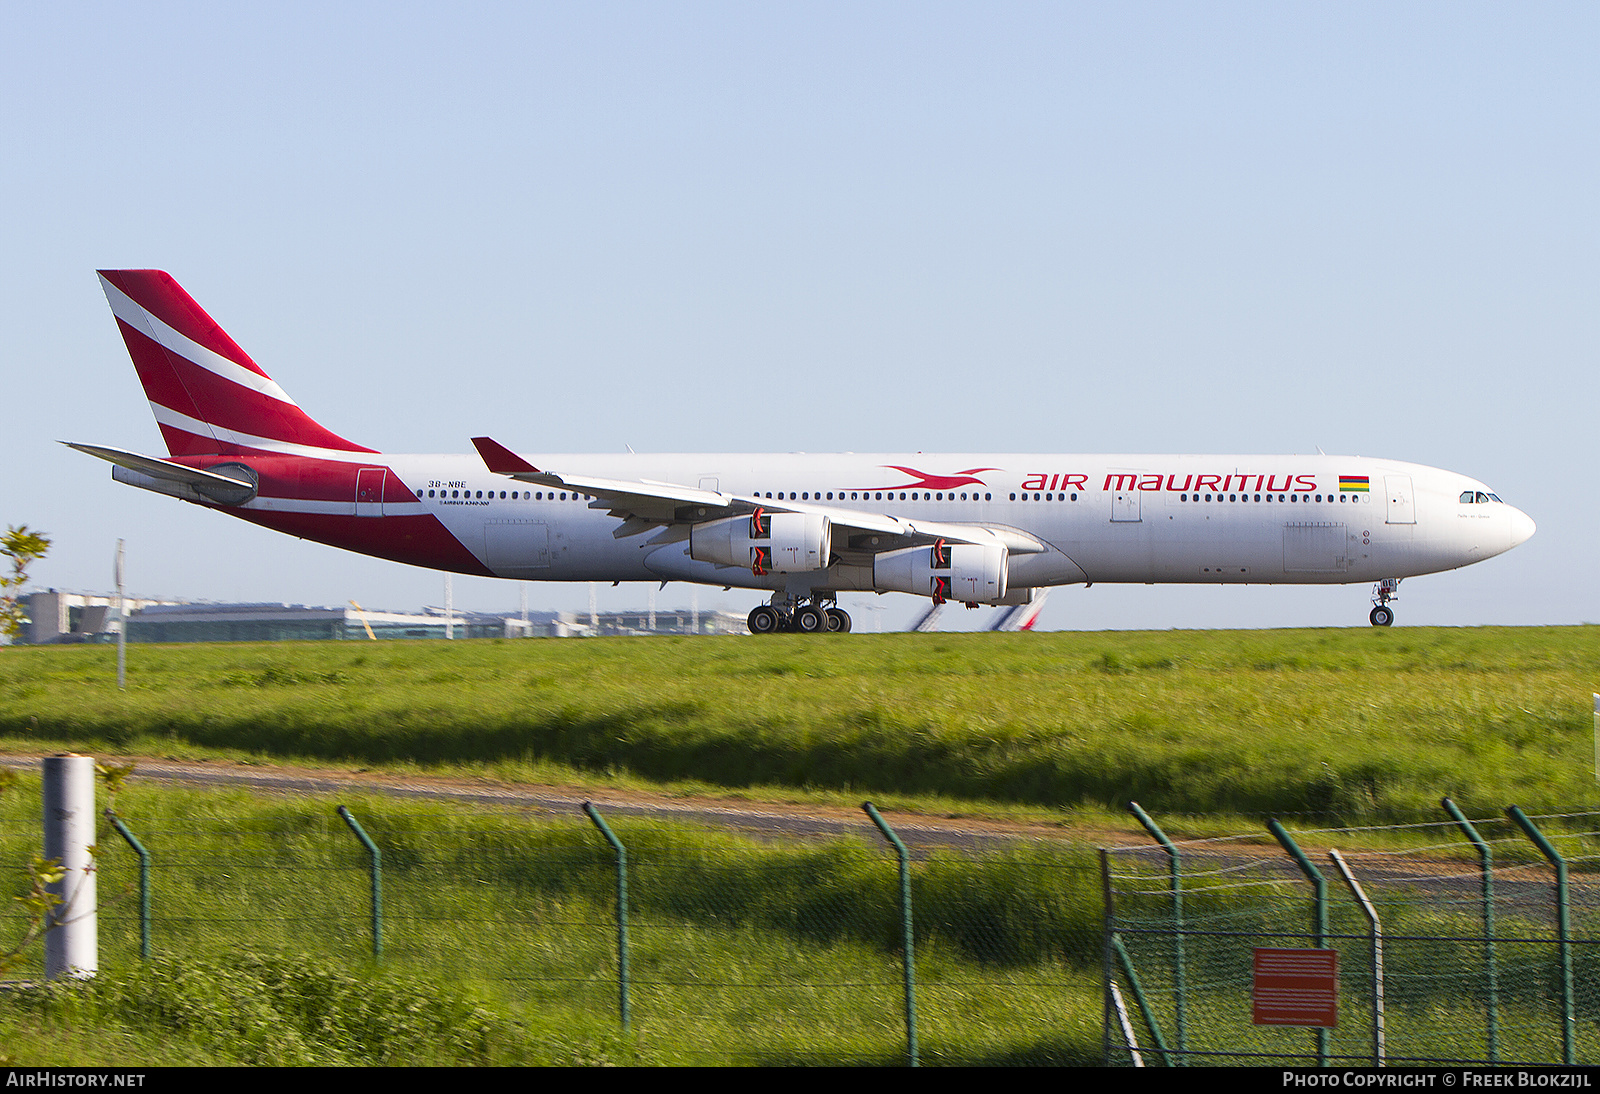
(1384, 591)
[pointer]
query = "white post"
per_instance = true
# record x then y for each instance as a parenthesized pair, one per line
(72, 945)
(1596, 737)
(449, 608)
(694, 609)
(594, 616)
(652, 609)
(122, 627)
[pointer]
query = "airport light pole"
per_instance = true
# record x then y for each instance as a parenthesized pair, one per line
(122, 625)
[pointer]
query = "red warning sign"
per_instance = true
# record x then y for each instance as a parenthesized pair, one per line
(1296, 988)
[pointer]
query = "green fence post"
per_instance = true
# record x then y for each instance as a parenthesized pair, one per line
(1491, 971)
(1319, 915)
(1112, 947)
(906, 933)
(1141, 1001)
(144, 882)
(622, 911)
(1568, 1017)
(1175, 869)
(375, 872)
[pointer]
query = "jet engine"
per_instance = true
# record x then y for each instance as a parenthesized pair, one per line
(764, 542)
(974, 573)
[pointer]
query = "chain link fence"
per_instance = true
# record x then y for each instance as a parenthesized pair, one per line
(735, 950)
(1469, 942)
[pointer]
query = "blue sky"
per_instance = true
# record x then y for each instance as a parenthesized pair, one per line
(922, 227)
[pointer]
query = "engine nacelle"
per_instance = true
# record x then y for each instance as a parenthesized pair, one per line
(782, 543)
(973, 573)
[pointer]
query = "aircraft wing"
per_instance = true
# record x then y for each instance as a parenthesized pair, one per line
(644, 504)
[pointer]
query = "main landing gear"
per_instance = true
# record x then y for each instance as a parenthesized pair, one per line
(815, 617)
(1383, 592)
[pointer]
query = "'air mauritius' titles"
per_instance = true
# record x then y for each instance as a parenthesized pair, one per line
(1040, 480)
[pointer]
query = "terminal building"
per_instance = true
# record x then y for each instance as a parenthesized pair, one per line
(55, 617)
(58, 617)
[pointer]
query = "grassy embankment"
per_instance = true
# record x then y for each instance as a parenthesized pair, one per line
(1351, 726)
(500, 944)
(1346, 726)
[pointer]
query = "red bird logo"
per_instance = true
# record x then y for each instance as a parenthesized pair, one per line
(925, 481)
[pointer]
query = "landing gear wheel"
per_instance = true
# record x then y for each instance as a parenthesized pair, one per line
(1381, 616)
(764, 619)
(810, 620)
(838, 621)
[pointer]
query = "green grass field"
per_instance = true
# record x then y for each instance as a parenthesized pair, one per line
(500, 944)
(746, 952)
(1349, 726)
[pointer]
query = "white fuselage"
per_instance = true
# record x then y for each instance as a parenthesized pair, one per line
(1142, 518)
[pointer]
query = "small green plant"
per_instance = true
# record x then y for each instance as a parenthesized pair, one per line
(36, 900)
(38, 903)
(23, 548)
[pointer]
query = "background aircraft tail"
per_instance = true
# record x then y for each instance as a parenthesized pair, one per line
(1021, 617)
(208, 396)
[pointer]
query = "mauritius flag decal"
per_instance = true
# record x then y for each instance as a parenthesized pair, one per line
(1352, 484)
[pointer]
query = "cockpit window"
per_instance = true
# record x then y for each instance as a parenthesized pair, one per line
(1478, 497)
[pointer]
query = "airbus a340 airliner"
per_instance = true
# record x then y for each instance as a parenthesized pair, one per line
(972, 528)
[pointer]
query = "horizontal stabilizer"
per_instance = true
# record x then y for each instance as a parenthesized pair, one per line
(189, 483)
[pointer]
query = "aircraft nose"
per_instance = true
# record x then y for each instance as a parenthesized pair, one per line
(1522, 527)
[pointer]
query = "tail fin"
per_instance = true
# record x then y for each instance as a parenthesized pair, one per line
(207, 395)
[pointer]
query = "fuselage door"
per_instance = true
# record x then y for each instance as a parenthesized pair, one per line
(369, 491)
(1402, 506)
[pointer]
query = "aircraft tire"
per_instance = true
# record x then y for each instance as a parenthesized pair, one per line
(810, 620)
(1382, 616)
(838, 621)
(764, 619)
